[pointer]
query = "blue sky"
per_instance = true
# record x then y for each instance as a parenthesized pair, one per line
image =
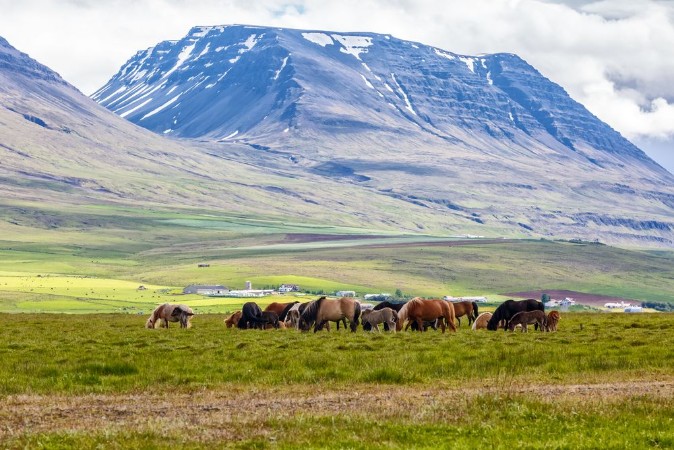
(614, 56)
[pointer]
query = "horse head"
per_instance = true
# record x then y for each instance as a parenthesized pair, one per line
(149, 323)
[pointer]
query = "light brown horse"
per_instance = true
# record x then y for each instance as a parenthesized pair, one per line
(553, 319)
(232, 320)
(481, 321)
(465, 308)
(164, 314)
(323, 310)
(384, 315)
(427, 310)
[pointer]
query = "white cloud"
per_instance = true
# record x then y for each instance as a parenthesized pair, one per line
(616, 57)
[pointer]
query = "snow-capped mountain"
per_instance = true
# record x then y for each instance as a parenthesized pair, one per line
(241, 81)
(485, 139)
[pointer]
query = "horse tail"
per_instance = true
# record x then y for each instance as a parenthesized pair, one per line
(356, 315)
(475, 311)
(451, 316)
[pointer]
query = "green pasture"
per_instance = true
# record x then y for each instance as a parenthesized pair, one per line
(93, 258)
(489, 373)
(114, 353)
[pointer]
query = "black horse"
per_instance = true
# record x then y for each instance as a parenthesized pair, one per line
(385, 304)
(251, 316)
(268, 318)
(427, 324)
(506, 310)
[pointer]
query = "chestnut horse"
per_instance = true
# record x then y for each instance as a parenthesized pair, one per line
(233, 319)
(551, 322)
(420, 311)
(163, 314)
(321, 311)
(465, 308)
(281, 309)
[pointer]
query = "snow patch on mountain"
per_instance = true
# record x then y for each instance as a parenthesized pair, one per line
(321, 39)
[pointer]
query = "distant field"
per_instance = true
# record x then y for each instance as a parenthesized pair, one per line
(602, 381)
(93, 259)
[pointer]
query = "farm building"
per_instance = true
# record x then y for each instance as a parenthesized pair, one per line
(449, 298)
(634, 309)
(345, 293)
(205, 289)
(288, 288)
(250, 293)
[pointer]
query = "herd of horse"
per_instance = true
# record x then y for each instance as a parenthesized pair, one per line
(416, 314)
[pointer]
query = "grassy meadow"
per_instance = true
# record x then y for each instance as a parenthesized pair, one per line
(96, 378)
(94, 259)
(603, 380)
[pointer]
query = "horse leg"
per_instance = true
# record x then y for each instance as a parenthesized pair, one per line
(392, 326)
(420, 324)
(376, 327)
(524, 327)
(458, 319)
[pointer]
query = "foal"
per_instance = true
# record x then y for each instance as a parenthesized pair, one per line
(525, 318)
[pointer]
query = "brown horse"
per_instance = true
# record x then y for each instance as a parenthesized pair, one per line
(164, 314)
(279, 309)
(465, 308)
(384, 315)
(232, 320)
(481, 321)
(420, 311)
(525, 318)
(553, 319)
(321, 311)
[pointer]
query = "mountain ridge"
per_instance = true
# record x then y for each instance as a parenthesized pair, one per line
(340, 161)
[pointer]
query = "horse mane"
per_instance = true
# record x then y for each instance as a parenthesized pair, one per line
(404, 313)
(284, 313)
(311, 311)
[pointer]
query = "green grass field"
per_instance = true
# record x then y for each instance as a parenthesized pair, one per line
(603, 380)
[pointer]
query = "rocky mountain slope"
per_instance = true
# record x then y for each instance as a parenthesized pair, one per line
(60, 150)
(484, 138)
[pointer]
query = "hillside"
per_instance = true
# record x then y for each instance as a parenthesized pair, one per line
(485, 139)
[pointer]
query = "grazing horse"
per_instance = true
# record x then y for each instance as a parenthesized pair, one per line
(284, 314)
(323, 310)
(233, 319)
(384, 315)
(481, 321)
(552, 320)
(525, 318)
(465, 308)
(420, 311)
(163, 314)
(269, 318)
(427, 324)
(183, 316)
(509, 308)
(251, 316)
(381, 305)
(280, 308)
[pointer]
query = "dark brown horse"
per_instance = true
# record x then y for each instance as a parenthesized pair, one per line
(323, 310)
(421, 311)
(465, 308)
(525, 318)
(506, 310)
